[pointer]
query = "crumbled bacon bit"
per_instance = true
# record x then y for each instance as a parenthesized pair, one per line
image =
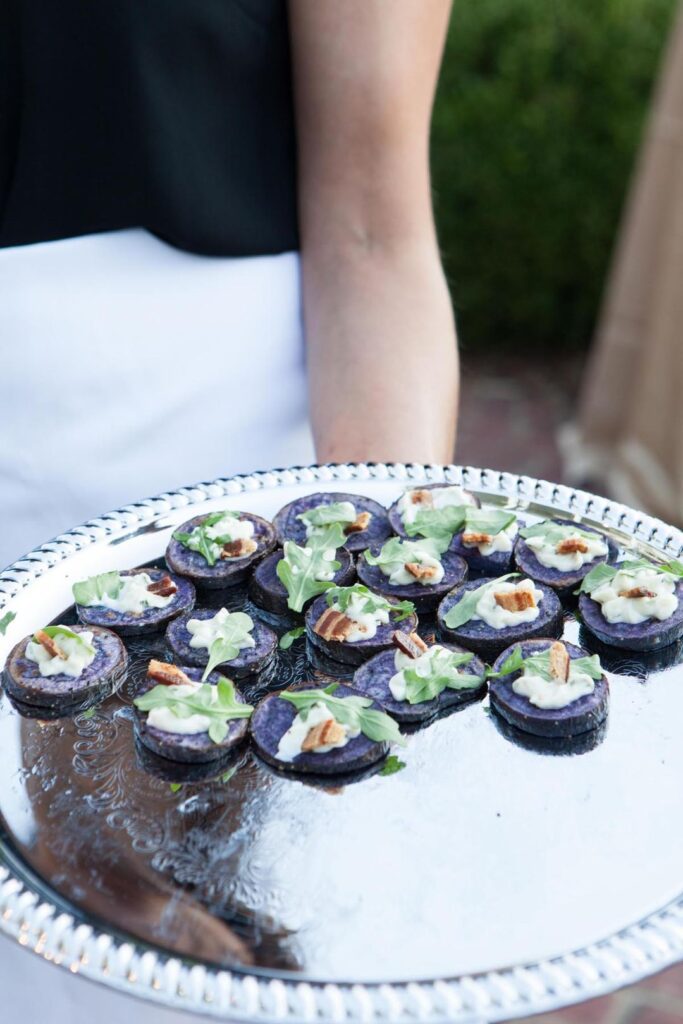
(571, 546)
(239, 548)
(409, 643)
(49, 644)
(421, 497)
(515, 600)
(636, 592)
(360, 523)
(333, 625)
(430, 638)
(166, 674)
(421, 572)
(323, 734)
(163, 587)
(560, 662)
(476, 538)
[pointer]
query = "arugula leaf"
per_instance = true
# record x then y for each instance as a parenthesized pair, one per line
(371, 602)
(234, 631)
(442, 673)
(488, 520)
(355, 712)
(465, 608)
(91, 591)
(287, 639)
(203, 542)
(53, 631)
(396, 552)
(339, 512)
(392, 765)
(175, 787)
(298, 570)
(539, 664)
(217, 703)
(438, 524)
(5, 621)
(513, 663)
(604, 573)
(553, 533)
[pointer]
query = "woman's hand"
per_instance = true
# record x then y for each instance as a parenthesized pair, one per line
(381, 343)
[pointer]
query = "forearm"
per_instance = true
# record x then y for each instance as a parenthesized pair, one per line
(382, 354)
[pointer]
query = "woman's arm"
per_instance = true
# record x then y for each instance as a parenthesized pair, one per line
(381, 343)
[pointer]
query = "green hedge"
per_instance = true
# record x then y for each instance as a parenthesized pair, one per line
(537, 121)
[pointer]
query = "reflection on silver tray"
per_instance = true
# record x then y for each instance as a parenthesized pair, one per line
(252, 896)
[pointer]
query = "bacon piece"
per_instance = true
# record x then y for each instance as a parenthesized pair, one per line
(163, 587)
(476, 538)
(49, 644)
(421, 572)
(515, 600)
(636, 592)
(166, 674)
(421, 497)
(409, 643)
(360, 523)
(239, 548)
(322, 735)
(430, 639)
(571, 546)
(333, 625)
(560, 662)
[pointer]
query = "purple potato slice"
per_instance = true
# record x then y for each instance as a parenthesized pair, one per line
(288, 527)
(23, 681)
(496, 564)
(359, 651)
(227, 572)
(624, 662)
(555, 746)
(424, 598)
(372, 679)
(274, 716)
(187, 773)
(395, 519)
(564, 583)
(650, 635)
(481, 638)
(147, 621)
(581, 716)
(195, 748)
(269, 593)
(248, 662)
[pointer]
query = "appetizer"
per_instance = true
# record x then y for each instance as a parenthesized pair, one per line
(414, 682)
(132, 601)
(486, 540)
(549, 688)
(488, 615)
(60, 666)
(427, 505)
(351, 624)
(634, 604)
(560, 553)
(285, 582)
(230, 639)
(185, 716)
(220, 549)
(327, 731)
(416, 570)
(362, 520)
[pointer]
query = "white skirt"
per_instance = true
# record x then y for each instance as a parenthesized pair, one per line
(130, 367)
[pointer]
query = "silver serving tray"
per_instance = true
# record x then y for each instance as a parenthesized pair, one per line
(483, 882)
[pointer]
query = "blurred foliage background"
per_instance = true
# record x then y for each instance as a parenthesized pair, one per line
(538, 117)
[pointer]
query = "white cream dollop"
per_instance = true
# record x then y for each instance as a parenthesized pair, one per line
(77, 658)
(634, 610)
(399, 575)
(488, 611)
(164, 718)
(421, 666)
(546, 553)
(231, 527)
(291, 742)
(502, 541)
(553, 693)
(347, 514)
(205, 631)
(437, 497)
(134, 597)
(365, 622)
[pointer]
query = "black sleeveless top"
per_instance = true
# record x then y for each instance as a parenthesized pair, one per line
(173, 115)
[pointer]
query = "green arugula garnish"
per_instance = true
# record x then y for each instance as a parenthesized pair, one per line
(56, 631)
(488, 520)
(396, 552)
(300, 566)
(217, 703)
(441, 673)
(369, 601)
(466, 607)
(91, 591)
(337, 512)
(554, 533)
(356, 712)
(287, 639)
(234, 635)
(539, 664)
(175, 787)
(208, 545)
(5, 621)
(392, 765)
(438, 524)
(604, 573)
